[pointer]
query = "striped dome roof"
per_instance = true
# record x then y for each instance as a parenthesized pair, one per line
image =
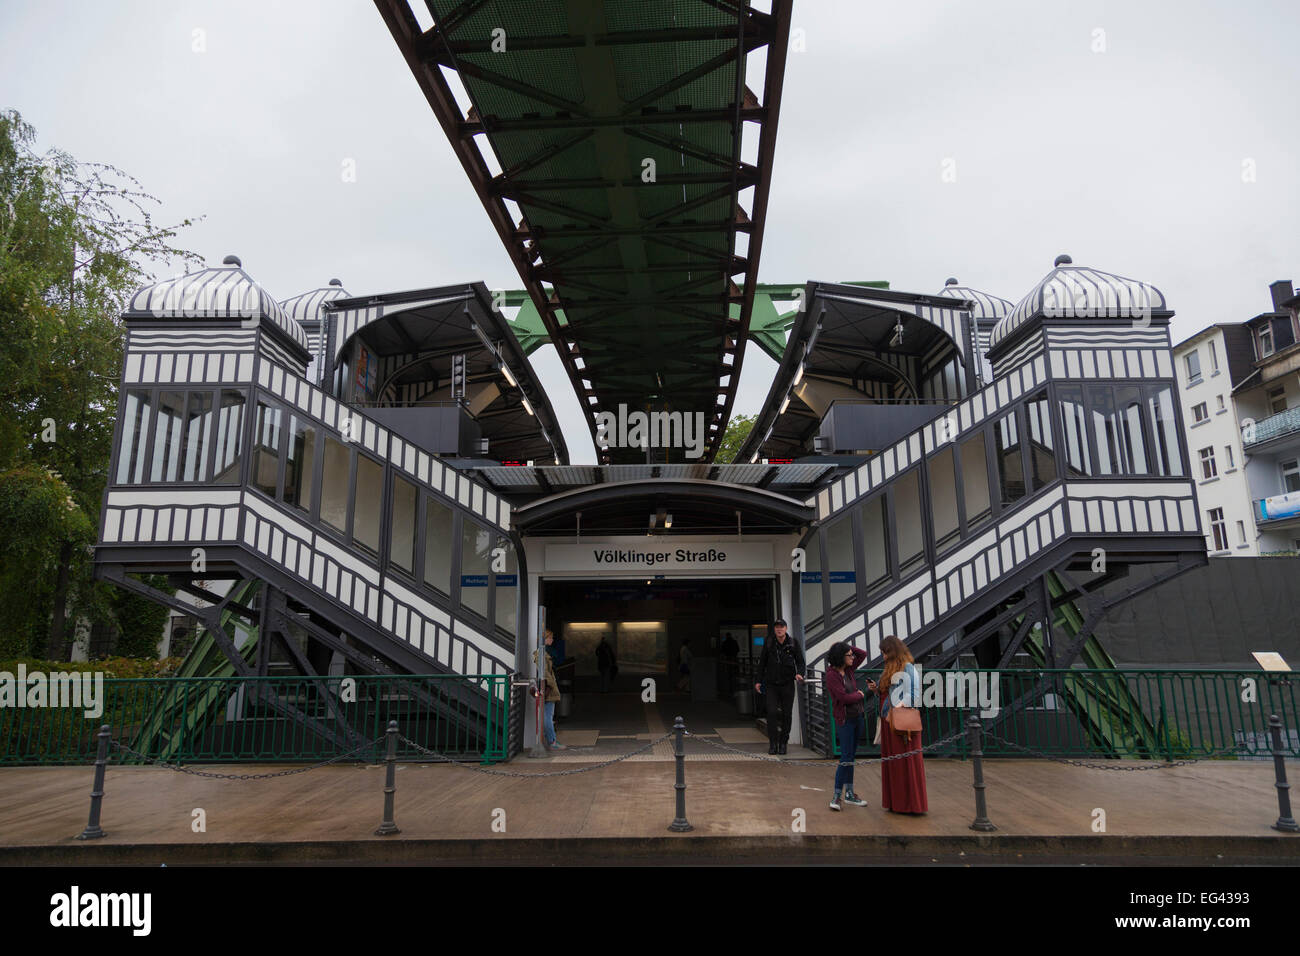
(307, 307)
(987, 307)
(221, 292)
(1077, 292)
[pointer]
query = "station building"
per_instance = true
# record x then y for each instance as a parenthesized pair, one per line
(379, 484)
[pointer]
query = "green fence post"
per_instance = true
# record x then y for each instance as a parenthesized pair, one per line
(389, 827)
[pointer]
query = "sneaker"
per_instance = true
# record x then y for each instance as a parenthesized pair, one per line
(835, 802)
(771, 748)
(558, 746)
(854, 799)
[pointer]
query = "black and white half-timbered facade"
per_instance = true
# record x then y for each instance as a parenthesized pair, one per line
(953, 469)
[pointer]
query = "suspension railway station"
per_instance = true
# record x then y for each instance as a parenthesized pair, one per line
(351, 482)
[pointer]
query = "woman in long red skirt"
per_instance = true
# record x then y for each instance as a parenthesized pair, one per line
(902, 782)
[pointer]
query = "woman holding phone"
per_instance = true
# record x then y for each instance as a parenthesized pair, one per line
(902, 782)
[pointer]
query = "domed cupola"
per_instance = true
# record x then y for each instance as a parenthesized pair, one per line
(988, 308)
(217, 296)
(306, 308)
(1077, 293)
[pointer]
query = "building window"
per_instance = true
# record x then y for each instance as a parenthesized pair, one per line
(401, 549)
(1218, 529)
(1265, 340)
(943, 498)
(1193, 360)
(1042, 454)
(266, 450)
(1290, 475)
(367, 502)
(1214, 358)
(1227, 456)
(1011, 475)
(975, 480)
(810, 582)
(1167, 453)
(1208, 469)
(133, 454)
(1241, 533)
(230, 425)
(438, 548)
(335, 479)
(1219, 400)
(475, 565)
(1074, 424)
(907, 521)
(198, 437)
(839, 563)
(300, 463)
(1200, 413)
(506, 587)
(875, 540)
(1277, 400)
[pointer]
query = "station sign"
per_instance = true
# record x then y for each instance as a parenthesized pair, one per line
(660, 556)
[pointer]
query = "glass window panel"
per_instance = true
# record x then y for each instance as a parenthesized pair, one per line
(943, 498)
(437, 545)
(368, 503)
(507, 589)
(198, 437)
(230, 430)
(167, 437)
(1132, 441)
(334, 484)
(1011, 476)
(1166, 455)
(975, 480)
(401, 550)
(875, 543)
(840, 563)
(1106, 429)
(266, 449)
(810, 594)
(1042, 453)
(300, 464)
(1074, 423)
(133, 453)
(907, 520)
(475, 563)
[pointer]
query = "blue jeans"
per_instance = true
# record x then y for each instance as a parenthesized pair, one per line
(548, 722)
(848, 735)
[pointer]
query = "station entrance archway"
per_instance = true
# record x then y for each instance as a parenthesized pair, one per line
(722, 621)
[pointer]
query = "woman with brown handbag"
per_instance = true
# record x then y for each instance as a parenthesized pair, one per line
(902, 782)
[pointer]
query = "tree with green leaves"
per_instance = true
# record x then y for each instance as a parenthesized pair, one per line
(75, 240)
(737, 431)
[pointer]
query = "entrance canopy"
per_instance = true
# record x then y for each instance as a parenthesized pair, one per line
(664, 506)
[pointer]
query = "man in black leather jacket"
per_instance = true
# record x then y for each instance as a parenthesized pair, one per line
(779, 666)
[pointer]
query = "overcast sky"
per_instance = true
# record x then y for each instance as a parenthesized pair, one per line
(1157, 139)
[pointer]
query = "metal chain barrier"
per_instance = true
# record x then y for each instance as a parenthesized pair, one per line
(244, 776)
(1166, 765)
(443, 758)
(861, 760)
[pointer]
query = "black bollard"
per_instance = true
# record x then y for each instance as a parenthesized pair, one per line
(680, 824)
(93, 831)
(390, 785)
(975, 729)
(1285, 822)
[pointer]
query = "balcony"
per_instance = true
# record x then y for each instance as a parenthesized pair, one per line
(1278, 509)
(1282, 425)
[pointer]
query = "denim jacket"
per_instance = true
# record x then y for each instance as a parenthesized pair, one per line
(910, 696)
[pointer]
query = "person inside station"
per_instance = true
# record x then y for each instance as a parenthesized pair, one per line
(780, 667)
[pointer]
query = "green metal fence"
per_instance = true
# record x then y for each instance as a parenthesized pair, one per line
(1143, 714)
(252, 719)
